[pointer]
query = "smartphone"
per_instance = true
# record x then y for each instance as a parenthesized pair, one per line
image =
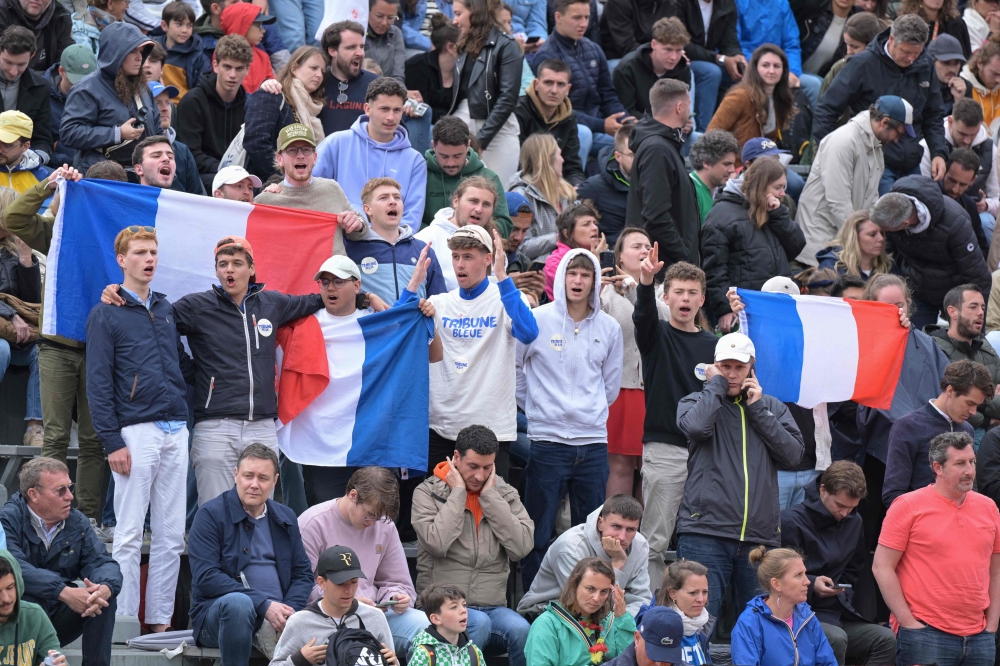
(745, 393)
(607, 259)
(537, 266)
(843, 586)
(741, 68)
(531, 40)
(387, 603)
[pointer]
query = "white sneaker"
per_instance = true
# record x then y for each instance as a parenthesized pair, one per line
(105, 534)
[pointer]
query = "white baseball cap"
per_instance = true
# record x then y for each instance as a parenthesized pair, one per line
(231, 175)
(339, 266)
(734, 347)
(475, 232)
(780, 284)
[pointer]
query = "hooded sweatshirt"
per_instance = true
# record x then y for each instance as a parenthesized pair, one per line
(437, 234)
(28, 173)
(28, 631)
(185, 64)
(312, 622)
(352, 158)
(445, 653)
(387, 267)
(441, 186)
(986, 177)
(236, 19)
(207, 125)
(572, 372)
(988, 98)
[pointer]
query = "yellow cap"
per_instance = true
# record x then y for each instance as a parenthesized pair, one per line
(15, 125)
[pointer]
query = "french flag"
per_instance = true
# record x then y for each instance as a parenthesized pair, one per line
(288, 245)
(813, 349)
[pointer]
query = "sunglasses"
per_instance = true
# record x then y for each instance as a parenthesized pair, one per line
(134, 229)
(342, 97)
(61, 490)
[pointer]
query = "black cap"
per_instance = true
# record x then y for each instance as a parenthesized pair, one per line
(339, 564)
(946, 48)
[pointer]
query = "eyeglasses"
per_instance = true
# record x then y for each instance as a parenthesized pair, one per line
(4, 146)
(304, 151)
(61, 490)
(382, 17)
(134, 229)
(342, 97)
(336, 282)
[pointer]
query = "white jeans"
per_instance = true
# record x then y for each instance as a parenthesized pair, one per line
(216, 447)
(502, 155)
(158, 482)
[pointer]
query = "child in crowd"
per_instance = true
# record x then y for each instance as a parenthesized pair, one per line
(246, 19)
(185, 60)
(155, 61)
(445, 641)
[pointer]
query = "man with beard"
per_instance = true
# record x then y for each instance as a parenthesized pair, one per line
(48, 20)
(25, 628)
(20, 167)
(154, 163)
(187, 179)
(345, 82)
(101, 117)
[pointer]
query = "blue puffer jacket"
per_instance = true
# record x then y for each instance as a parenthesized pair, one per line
(760, 639)
(593, 94)
(769, 21)
(387, 268)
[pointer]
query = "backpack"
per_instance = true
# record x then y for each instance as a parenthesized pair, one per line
(469, 647)
(236, 153)
(354, 647)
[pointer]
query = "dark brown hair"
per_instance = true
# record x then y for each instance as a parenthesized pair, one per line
(566, 222)
(567, 599)
(434, 596)
(844, 475)
(482, 19)
(377, 487)
(784, 100)
(758, 177)
(675, 577)
(965, 375)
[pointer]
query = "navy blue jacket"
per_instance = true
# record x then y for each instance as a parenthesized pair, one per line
(593, 95)
(609, 192)
(134, 367)
(75, 554)
(57, 101)
(186, 178)
(219, 549)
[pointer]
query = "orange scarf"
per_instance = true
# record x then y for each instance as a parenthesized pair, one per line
(471, 498)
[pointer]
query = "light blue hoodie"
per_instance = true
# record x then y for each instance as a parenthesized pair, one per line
(572, 372)
(352, 158)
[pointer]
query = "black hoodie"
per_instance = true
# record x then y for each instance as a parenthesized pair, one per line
(53, 30)
(634, 78)
(207, 125)
(661, 196)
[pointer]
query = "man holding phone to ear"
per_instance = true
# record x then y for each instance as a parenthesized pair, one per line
(737, 436)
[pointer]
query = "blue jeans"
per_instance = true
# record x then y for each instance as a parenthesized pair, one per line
(498, 629)
(419, 130)
(520, 449)
(794, 185)
(298, 21)
(229, 626)
(22, 357)
(591, 143)
(989, 224)
(727, 564)
(707, 77)
(404, 626)
(552, 470)
(792, 486)
(930, 646)
(810, 86)
(889, 177)
(293, 486)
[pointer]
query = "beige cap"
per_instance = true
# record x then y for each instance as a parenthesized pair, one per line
(475, 232)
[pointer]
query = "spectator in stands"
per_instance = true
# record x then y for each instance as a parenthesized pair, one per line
(598, 111)
(345, 83)
(982, 73)
(661, 57)
(143, 429)
(944, 19)
(988, 465)
(713, 161)
(432, 73)
(684, 590)
(99, 121)
(248, 564)
(858, 249)
(301, 188)
(611, 533)
(451, 160)
(846, 171)
(50, 22)
(234, 183)
(377, 140)
(568, 428)
(302, 96)
(608, 190)
(662, 198)
(821, 29)
(721, 518)
(916, 554)
(625, 25)
(893, 64)
(240, 19)
(77, 61)
(980, 16)
(576, 227)
(154, 162)
(773, 21)
(186, 61)
(25, 90)
(770, 635)
(153, 66)
(946, 53)
(445, 604)
(470, 524)
(962, 167)
(486, 102)
(546, 108)
(829, 533)
(363, 520)
(187, 180)
(748, 237)
(55, 545)
(25, 629)
(384, 40)
(516, 259)
(22, 166)
(932, 241)
(540, 180)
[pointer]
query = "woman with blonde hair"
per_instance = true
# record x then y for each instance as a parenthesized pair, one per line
(541, 182)
(858, 249)
(779, 628)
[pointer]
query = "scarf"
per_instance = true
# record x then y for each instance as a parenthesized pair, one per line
(471, 498)
(693, 625)
(562, 112)
(306, 108)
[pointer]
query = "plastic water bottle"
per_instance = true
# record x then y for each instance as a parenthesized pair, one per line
(50, 660)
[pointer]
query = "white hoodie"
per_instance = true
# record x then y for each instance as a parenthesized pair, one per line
(569, 376)
(437, 234)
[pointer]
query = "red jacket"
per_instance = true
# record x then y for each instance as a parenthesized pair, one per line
(236, 19)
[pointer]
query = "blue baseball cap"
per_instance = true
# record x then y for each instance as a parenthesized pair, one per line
(663, 632)
(155, 87)
(899, 110)
(515, 200)
(760, 146)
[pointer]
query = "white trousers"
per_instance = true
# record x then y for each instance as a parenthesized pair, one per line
(158, 482)
(501, 157)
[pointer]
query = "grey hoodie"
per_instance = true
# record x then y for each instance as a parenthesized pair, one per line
(311, 622)
(576, 544)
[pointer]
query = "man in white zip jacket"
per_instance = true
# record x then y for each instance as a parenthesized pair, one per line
(566, 380)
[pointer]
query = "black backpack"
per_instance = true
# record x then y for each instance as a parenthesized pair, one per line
(354, 647)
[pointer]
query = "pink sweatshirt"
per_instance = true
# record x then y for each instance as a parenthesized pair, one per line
(378, 547)
(552, 265)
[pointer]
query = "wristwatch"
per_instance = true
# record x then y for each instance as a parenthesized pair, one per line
(721, 60)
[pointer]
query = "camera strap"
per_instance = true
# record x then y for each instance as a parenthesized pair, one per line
(116, 153)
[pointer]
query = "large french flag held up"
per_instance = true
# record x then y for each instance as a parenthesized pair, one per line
(813, 349)
(288, 245)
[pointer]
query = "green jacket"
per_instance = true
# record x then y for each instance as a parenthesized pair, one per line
(445, 654)
(440, 187)
(555, 641)
(28, 627)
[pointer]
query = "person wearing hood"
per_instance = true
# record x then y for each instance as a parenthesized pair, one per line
(377, 146)
(661, 197)
(98, 123)
(831, 535)
(77, 61)
(608, 190)
(610, 533)
(846, 171)
(187, 178)
(933, 243)
(450, 160)
(211, 115)
(25, 628)
(894, 63)
(246, 20)
(567, 379)
(23, 89)
(48, 20)
(22, 167)
(661, 57)
(546, 108)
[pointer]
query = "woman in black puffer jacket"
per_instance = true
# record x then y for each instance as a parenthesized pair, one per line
(748, 236)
